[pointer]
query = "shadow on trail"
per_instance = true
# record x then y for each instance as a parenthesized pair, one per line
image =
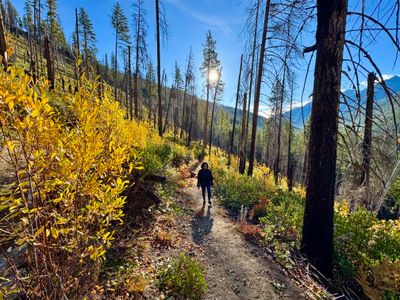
(201, 224)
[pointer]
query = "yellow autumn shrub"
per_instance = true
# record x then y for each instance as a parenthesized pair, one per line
(70, 155)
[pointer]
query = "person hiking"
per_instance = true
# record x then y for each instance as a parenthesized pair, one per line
(205, 181)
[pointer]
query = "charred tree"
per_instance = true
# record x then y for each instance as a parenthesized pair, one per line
(366, 145)
(258, 90)
(49, 62)
(234, 115)
(242, 151)
(317, 240)
(3, 43)
(160, 129)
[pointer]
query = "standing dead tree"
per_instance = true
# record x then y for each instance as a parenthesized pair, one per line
(258, 89)
(235, 113)
(161, 29)
(317, 239)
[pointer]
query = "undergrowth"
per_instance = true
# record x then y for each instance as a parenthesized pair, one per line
(366, 249)
(183, 279)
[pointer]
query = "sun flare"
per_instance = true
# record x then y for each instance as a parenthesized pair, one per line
(213, 76)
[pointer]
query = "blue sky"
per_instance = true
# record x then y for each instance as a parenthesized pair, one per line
(188, 22)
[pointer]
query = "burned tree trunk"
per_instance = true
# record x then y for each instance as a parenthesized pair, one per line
(366, 146)
(3, 43)
(130, 86)
(234, 116)
(242, 151)
(258, 90)
(49, 62)
(213, 111)
(253, 57)
(160, 127)
(317, 241)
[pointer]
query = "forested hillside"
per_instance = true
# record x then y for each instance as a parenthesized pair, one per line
(103, 140)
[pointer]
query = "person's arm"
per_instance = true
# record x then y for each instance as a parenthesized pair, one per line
(211, 179)
(198, 179)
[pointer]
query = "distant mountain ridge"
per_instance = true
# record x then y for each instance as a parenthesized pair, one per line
(392, 83)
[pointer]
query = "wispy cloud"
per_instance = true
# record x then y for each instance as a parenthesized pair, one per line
(214, 22)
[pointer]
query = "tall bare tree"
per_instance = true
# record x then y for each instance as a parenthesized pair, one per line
(140, 26)
(257, 92)
(235, 113)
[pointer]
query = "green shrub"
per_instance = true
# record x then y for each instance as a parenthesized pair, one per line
(183, 279)
(197, 150)
(156, 158)
(236, 190)
(180, 155)
(368, 249)
(284, 217)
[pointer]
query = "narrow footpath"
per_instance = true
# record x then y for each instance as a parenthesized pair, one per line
(235, 269)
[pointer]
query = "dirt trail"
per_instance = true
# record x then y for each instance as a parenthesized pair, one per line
(235, 269)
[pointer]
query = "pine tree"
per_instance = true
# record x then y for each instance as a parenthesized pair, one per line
(120, 23)
(56, 33)
(88, 38)
(210, 64)
(12, 16)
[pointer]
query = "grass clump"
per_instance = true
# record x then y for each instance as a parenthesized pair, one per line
(183, 279)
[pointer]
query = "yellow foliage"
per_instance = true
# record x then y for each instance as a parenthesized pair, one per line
(71, 155)
(342, 208)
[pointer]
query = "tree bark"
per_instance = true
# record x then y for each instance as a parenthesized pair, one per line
(3, 44)
(258, 90)
(242, 152)
(366, 146)
(160, 129)
(234, 115)
(317, 241)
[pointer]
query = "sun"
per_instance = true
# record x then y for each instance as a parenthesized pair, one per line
(213, 76)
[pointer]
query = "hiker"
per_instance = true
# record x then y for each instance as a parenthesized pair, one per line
(205, 181)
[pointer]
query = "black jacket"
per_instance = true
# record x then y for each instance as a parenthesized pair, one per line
(204, 177)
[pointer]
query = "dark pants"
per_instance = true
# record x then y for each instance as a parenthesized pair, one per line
(203, 192)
